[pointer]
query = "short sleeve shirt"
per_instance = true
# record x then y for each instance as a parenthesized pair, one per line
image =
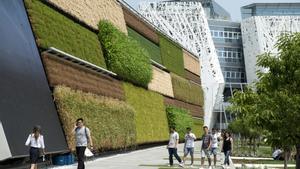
(190, 140)
(173, 139)
(81, 136)
(206, 140)
(214, 143)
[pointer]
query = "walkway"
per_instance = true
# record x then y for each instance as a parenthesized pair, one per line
(152, 158)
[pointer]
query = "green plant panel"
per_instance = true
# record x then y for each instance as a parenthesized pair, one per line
(53, 29)
(172, 56)
(151, 119)
(124, 55)
(111, 121)
(187, 91)
(180, 119)
(151, 48)
(198, 127)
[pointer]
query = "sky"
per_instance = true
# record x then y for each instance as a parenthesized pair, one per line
(232, 6)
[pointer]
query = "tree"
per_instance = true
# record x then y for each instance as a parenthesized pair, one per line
(274, 102)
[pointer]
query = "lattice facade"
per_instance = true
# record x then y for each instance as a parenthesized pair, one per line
(185, 22)
(260, 34)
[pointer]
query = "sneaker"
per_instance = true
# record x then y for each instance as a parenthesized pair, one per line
(209, 167)
(181, 164)
(170, 165)
(192, 166)
(201, 168)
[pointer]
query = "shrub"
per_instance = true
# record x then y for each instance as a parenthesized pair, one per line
(111, 121)
(53, 29)
(150, 47)
(180, 119)
(186, 90)
(125, 56)
(151, 119)
(198, 127)
(172, 56)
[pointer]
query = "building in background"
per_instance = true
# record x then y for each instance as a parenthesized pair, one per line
(261, 26)
(186, 22)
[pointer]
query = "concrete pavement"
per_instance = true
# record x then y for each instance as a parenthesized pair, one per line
(151, 158)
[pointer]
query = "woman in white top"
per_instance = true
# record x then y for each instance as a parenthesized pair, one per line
(36, 142)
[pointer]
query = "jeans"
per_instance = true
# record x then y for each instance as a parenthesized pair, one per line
(80, 157)
(227, 154)
(173, 151)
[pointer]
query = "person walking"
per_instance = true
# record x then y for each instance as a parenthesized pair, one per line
(172, 147)
(83, 137)
(206, 145)
(214, 145)
(227, 148)
(189, 145)
(36, 142)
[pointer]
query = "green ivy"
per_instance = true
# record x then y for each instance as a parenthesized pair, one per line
(151, 48)
(125, 56)
(151, 119)
(198, 127)
(172, 56)
(111, 121)
(180, 119)
(186, 90)
(53, 29)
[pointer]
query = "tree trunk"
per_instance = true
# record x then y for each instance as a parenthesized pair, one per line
(298, 157)
(285, 158)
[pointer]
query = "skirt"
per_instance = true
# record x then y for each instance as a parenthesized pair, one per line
(34, 154)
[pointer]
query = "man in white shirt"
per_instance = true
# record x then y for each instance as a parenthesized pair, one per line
(214, 145)
(189, 145)
(172, 147)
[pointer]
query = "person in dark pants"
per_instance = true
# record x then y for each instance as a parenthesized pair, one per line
(172, 147)
(227, 148)
(36, 142)
(83, 137)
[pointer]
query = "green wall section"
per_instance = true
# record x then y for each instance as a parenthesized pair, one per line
(124, 55)
(150, 47)
(111, 121)
(180, 119)
(53, 29)
(198, 127)
(151, 119)
(172, 56)
(186, 90)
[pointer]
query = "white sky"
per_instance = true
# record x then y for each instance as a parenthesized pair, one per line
(232, 6)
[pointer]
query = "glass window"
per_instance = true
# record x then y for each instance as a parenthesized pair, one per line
(216, 34)
(220, 34)
(229, 54)
(234, 54)
(225, 34)
(228, 74)
(230, 34)
(225, 54)
(233, 75)
(235, 35)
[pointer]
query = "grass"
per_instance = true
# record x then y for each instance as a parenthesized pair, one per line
(53, 29)
(187, 91)
(235, 161)
(150, 47)
(150, 116)
(124, 55)
(262, 151)
(172, 56)
(111, 121)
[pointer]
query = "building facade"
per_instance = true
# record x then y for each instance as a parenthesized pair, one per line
(262, 27)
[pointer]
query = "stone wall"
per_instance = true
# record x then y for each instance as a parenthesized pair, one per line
(191, 63)
(62, 72)
(92, 11)
(161, 82)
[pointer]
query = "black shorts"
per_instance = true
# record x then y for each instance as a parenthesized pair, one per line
(34, 155)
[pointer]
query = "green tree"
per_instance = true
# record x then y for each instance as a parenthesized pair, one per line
(275, 103)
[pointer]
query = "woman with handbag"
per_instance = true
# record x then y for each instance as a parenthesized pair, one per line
(36, 142)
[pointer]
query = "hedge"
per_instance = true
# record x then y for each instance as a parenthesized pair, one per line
(111, 121)
(172, 56)
(151, 119)
(186, 90)
(124, 55)
(150, 47)
(180, 119)
(198, 127)
(53, 29)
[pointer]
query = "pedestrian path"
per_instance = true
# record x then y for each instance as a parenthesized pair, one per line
(152, 158)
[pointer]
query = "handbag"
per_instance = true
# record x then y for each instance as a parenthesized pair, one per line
(88, 153)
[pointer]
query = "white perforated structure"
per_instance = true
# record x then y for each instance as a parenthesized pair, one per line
(186, 23)
(260, 34)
